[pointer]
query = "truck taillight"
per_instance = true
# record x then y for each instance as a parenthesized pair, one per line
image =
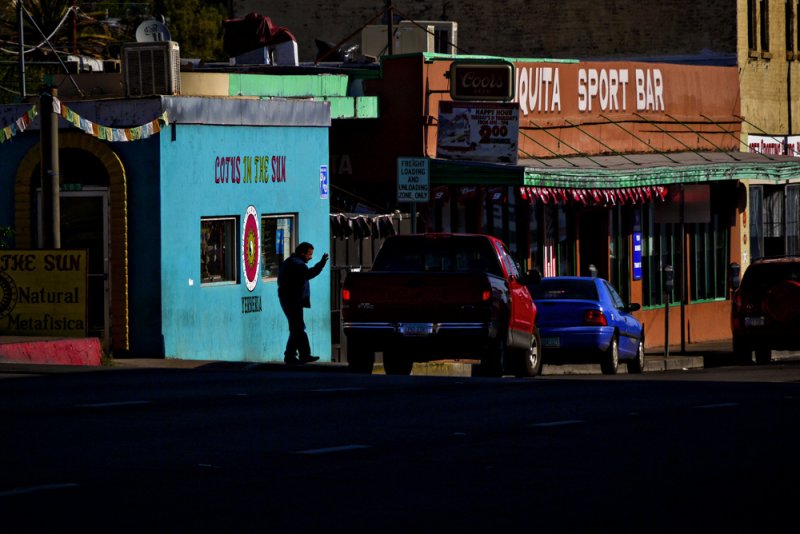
(595, 318)
(345, 295)
(486, 295)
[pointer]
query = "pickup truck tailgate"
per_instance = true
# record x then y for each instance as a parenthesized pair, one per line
(423, 297)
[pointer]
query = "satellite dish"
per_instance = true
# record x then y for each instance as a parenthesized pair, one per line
(152, 30)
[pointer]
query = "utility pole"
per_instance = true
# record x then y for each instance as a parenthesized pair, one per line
(22, 91)
(74, 17)
(50, 174)
(389, 21)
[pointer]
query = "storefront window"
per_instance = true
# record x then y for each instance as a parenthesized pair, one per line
(218, 251)
(278, 240)
(755, 211)
(709, 255)
(566, 243)
(660, 248)
(619, 255)
(792, 220)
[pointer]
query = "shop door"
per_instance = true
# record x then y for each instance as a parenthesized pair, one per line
(593, 237)
(84, 225)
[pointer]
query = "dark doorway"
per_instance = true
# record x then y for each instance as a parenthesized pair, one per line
(593, 239)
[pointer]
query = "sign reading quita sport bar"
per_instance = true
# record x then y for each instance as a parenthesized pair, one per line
(43, 293)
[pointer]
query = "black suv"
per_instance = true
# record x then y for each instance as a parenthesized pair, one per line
(765, 313)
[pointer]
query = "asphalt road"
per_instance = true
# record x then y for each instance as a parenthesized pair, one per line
(221, 450)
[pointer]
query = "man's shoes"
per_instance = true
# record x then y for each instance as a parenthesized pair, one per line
(291, 360)
(308, 359)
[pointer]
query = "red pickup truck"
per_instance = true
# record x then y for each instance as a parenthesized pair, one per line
(441, 296)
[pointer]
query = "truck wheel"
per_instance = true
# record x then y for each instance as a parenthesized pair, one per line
(742, 352)
(360, 360)
(493, 362)
(395, 363)
(610, 363)
(529, 362)
(763, 355)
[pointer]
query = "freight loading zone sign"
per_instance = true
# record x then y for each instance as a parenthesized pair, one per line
(43, 293)
(413, 182)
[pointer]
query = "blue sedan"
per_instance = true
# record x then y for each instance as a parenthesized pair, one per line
(585, 319)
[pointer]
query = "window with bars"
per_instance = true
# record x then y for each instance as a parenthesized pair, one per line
(764, 25)
(661, 246)
(708, 250)
(793, 220)
(619, 253)
(774, 220)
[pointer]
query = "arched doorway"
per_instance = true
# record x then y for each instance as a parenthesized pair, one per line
(93, 216)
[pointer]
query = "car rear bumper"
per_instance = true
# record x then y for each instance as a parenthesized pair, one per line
(423, 340)
(575, 341)
(766, 337)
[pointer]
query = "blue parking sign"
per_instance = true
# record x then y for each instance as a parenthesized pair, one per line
(323, 181)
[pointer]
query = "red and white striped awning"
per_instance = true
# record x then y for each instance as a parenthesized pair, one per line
(594, 197)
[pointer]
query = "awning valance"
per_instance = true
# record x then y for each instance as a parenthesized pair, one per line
(594, 197)
(619, 171)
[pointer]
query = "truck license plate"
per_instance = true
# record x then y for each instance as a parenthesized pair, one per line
(552, 342)
(416, 329)
(754, 321)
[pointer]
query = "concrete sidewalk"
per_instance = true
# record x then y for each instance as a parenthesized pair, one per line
(695, 356)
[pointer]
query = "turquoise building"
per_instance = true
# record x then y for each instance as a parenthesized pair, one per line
(186, 204)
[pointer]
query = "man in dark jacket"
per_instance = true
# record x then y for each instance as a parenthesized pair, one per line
(295, 294)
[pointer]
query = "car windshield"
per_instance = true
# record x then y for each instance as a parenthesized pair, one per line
(564, 289)
(439, 254)
(760, 276)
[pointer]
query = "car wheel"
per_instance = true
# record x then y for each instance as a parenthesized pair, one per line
(637, 365)
(742, 352)
(395, 363)
(529, 362)
(610, 363)
(493, 362)
(763, 355)
(360, 360)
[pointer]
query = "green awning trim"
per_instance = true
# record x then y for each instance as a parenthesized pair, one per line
(583, 173)
(600, 179)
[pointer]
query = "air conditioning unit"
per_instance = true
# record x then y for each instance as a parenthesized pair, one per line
(151, 68)
(409, 37)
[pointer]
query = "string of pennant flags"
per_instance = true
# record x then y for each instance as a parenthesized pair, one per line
(104, 133)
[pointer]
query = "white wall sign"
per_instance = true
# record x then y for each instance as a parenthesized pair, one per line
(413, 181)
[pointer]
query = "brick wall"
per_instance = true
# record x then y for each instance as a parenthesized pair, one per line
(527, 28)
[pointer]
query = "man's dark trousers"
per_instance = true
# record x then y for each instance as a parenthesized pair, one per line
(298, 339)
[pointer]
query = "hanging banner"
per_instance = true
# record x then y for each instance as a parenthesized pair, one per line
(478, 131)
(103, 133)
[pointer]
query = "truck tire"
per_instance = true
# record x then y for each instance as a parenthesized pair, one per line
(763, 355)
(395, 363)
(742, 352)
(609, 365)
(360, 360)
(493, 361)
(529, 361)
